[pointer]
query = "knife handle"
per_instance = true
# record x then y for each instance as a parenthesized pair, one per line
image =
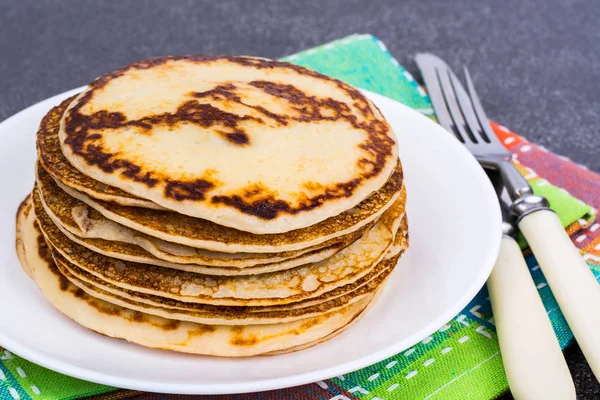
(534, 363)
(570, 278)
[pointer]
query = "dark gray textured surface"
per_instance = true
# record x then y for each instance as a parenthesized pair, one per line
(536, 63)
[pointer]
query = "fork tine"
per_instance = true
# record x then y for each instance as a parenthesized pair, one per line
(465, 106)
(484, 122)
(444, 76)
(428, 64)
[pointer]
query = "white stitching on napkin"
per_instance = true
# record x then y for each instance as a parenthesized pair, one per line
(481, 330)
(411, 374)
(14, 393)
(358, 389)
(474, 311)
(461, 319)
(373, 377)
(322, 384)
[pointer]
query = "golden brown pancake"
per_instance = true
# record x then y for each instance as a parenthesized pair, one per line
(157, 332)
(88, 227)
(23, 212)
(198, 233)
(283, 287)
(230, 266)
(257, 145)
(215, 315)
(374, 277)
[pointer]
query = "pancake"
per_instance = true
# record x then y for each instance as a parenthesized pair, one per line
(193, 232)
(131, 252)
(89, 228)
(91, 282)
(51, 157)
(22, 213)
(275, 149)
(152, 331)
(283, 287)
(227, 314)
(217, 315)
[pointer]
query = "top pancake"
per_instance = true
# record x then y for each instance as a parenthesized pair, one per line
(253, 144)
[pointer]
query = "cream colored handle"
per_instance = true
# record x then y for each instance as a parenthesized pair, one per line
(570, 278)
(534, 363)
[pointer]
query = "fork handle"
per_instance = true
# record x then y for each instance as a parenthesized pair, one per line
(570, 278)
(534, 363)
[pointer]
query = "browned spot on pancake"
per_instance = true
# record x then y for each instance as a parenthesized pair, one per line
(25, 206)
(63, 283)
(103, 307)
(42, 246)
(269, 207)
(191, 190)
(378, 145)
(237, 137)
(254, 190)
(171, 325)
(192, 333)
(240, 339)
(250, 340)
(22, 213)
(137, 316)
(221, 91)
(310, 323)
(201, 330)
(228, 92)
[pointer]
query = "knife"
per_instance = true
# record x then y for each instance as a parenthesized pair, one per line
(571, 280)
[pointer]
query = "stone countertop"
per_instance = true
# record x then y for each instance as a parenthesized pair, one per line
(536, 63)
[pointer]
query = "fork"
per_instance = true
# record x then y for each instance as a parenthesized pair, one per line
(571, 280)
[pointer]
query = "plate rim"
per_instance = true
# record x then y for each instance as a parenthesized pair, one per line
(44, 360)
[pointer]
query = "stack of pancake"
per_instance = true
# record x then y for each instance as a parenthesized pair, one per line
(228, 205)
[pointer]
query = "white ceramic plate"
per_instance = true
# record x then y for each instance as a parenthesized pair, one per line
(454, 233)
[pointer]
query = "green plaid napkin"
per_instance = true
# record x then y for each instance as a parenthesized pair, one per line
(461, 360)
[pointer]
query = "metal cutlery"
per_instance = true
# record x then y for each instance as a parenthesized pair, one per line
(573, 284)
